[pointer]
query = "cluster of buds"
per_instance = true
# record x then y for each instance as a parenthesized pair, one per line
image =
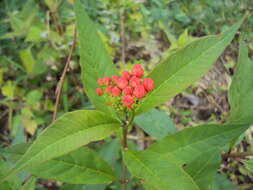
(126, 89)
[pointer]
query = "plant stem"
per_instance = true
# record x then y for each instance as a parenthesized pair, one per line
(128, 122)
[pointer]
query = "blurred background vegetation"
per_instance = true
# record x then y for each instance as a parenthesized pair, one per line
(35, 41)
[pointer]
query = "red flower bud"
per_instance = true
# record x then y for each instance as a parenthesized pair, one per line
(108, 89)
(115, 79)
(99, 91)
(128, 91)
(125, 74)
(137, 71)
(139, 91)
(122, 83)
(100, 81)
(127, 101)
(106, 81)
(134, 81)
(148, 84)
(116, 91)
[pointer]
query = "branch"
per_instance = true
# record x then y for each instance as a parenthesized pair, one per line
(226, 155)
(61, 82)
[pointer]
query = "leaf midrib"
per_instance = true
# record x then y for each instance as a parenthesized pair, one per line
(72, 164)
(62, 140)
(200, 141)
(181, 68)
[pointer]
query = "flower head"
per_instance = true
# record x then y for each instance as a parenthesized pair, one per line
(125, 91)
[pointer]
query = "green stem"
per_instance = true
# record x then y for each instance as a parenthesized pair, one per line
(128, 122)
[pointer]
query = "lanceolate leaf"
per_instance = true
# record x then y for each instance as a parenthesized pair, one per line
(95, 62)
(203, 168)
(66, 134)
(30, 184)
(158, 172)
(190, 143)
(10, 184)
(184, 67)
(241, 89)
(83, 166)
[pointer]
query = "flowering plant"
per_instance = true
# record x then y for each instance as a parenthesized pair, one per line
(183, 160)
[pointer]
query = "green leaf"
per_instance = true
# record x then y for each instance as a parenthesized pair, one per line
(203, 168)
(10, 184)
(220, 182)
(27, 60)
(30, 184)
(185, 66)
(95, 61)
(156, 123)
(190, 143)
(83, 166)
(241, 89)
(158, 171)
(66, 134)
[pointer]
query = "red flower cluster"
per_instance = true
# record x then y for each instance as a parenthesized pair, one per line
(129, 87)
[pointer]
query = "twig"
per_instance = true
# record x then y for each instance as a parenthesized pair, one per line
(61, 82)
(226, 155)
(141, 138)
(122, 37)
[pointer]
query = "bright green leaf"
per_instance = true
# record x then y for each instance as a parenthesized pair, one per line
(66, 134)
(241, 89)
(95, 61)
(156, 123)
(27, 60)
(158, 171)
(8, 89)
(83, 166)
(185, 66)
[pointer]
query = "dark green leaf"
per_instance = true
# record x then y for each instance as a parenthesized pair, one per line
(190, 143)
(158, 171)
(83, 166)
(241, 90)
(95, 61)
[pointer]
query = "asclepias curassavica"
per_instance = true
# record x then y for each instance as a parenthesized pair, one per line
(182, 160)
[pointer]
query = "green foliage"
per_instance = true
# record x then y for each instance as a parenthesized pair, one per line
(95, 62)
(43, 32)
(66, 134)
(241, 91)
(222, 183)
(158, 171)
(30, 184)
(184, 67)
(11, 184)
(156, 123)
(82, 166)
